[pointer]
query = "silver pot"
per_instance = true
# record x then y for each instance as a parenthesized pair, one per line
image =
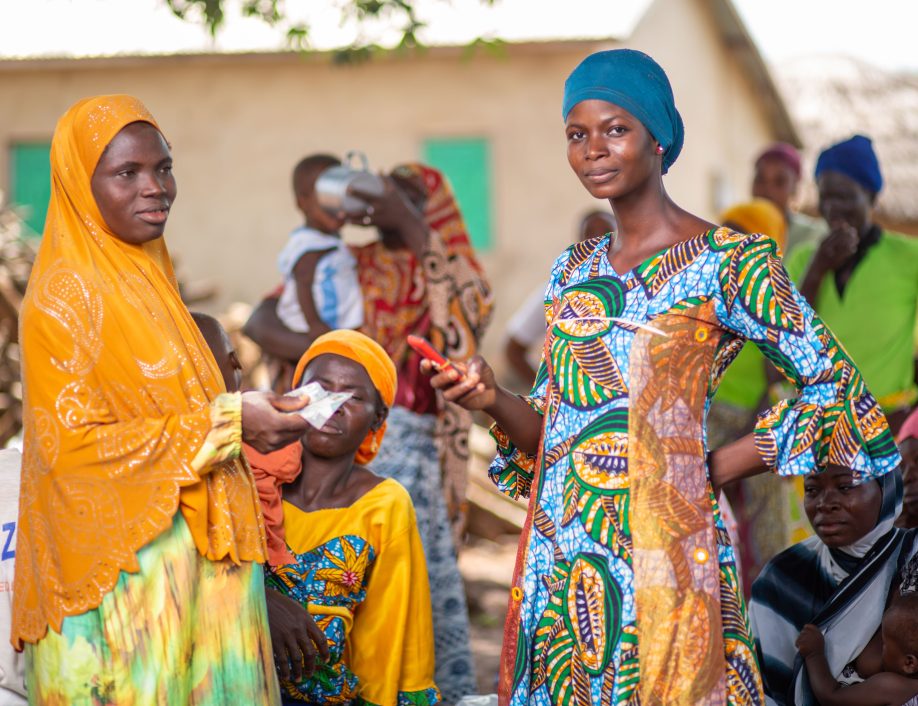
(335, 184)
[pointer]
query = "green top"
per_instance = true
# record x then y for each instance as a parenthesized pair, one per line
(876, 318)
(744, 384)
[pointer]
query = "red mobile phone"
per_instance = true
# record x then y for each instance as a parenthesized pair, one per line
(422, 346)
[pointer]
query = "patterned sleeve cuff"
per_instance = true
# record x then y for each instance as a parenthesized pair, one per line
(224, 440)
(512, 470)
(797, 437)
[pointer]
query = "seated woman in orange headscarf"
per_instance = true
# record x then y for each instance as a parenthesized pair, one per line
(343, 544)
(140, 530)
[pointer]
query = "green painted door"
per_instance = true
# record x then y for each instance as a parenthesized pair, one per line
(466, 161)
(30, 182)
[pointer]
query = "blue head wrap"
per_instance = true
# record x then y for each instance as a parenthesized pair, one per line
(634, 81)
(855, 159)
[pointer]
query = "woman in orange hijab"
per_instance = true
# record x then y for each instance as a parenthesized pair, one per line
(139, 527)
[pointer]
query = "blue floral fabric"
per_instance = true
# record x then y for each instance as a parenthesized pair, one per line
(332, 574)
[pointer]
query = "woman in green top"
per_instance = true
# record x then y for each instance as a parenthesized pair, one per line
(862, 279)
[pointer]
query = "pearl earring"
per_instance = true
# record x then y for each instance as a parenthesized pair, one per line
(659, 149)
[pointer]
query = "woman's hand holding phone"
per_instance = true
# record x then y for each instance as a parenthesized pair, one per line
(424, 348)
(470, 385)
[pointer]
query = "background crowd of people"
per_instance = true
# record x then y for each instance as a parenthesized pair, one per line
(182, 541)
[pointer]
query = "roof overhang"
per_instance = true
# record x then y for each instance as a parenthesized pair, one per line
(740, 43)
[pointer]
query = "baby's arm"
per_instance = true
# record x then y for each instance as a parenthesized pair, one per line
(812, 647)
(884, 689)
(304, 272)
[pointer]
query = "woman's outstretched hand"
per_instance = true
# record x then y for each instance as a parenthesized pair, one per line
(470, 385)
(295, 637)
(267, 424)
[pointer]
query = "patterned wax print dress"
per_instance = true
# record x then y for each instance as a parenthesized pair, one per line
(626, 589)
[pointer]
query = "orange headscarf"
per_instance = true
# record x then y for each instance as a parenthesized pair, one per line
(275, 469)
(758, 216)
(118, 388)
(374, 359)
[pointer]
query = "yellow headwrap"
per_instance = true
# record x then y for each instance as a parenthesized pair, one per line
(362, 349)
(118, 384)
(758, 216)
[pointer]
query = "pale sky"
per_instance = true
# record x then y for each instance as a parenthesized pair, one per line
(878, 31)
(881, 32)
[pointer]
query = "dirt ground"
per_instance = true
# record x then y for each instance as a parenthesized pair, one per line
(487, 568)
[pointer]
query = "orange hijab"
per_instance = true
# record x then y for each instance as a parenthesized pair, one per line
(280, 467)
(758, 216)
(118, 385)
(362, 349)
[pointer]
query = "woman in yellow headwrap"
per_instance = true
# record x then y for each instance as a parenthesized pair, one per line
(757, 216)
(343, 544)
(139, 528)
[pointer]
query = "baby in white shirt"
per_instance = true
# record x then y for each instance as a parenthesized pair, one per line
(321, 290)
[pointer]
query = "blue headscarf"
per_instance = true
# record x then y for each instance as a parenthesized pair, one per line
(632, 80)
(855, 159)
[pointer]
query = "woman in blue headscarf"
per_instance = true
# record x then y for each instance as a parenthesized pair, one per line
(863, 279)
(625, 589)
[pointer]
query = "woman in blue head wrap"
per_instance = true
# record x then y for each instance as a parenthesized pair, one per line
(626, 588)
(863, 279)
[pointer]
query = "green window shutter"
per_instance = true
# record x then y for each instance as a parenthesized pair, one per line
(30, 182)
(466, 161)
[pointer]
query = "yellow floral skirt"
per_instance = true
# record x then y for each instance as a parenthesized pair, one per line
(182, 630)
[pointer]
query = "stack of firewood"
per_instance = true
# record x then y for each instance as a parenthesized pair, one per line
(16, 257)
